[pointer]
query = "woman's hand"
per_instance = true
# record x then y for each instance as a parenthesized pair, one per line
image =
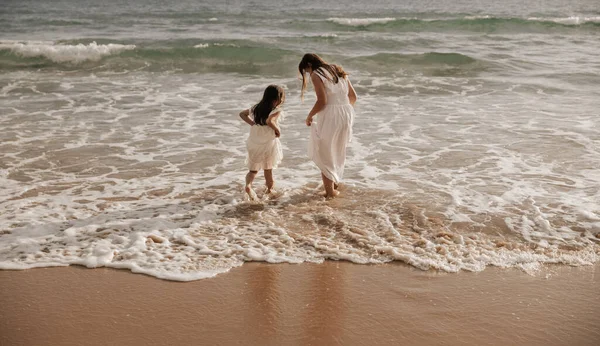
(321, 97)
(309, 120)
(277, 132)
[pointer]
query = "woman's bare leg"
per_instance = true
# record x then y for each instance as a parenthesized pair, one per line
(330, 192)
(269, 180)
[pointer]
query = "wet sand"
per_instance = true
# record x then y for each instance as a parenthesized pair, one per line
(335, 303)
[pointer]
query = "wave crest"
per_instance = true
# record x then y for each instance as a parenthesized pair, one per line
(64, 53)
(360, 21)
(469, 23)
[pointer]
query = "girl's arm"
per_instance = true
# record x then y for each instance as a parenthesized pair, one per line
(321, 97)
(351, 92)
(272, 123)
(245, 115)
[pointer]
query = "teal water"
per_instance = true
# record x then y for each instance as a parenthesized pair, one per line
(238, 36)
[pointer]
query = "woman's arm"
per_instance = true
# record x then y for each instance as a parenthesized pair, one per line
(245, 115)
(321, 97)
(351, 92)
(272, 123)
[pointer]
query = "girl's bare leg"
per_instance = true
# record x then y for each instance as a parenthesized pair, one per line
(269, 180)
(330, 192)
(249, 179)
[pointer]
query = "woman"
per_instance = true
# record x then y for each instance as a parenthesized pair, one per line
(333, 128)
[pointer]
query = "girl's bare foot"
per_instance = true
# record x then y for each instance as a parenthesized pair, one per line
(251, 194)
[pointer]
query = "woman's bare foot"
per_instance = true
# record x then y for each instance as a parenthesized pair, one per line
(335, 194)
(324, 194)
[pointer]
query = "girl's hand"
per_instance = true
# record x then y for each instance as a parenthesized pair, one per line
(245, 115)
(309, 120)
(277, 133)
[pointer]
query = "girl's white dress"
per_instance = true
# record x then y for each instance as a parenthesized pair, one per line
(332, 130)
(264, 149)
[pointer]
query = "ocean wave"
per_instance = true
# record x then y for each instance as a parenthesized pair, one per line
(187, 56)
(573, 20)
(433, 58)
(429, 64)
(484, 23)
(223, 56)
(360, 21)
(326, 36)
(64, 53)
(206, 45)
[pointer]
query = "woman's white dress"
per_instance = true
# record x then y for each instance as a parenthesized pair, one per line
(264, 149)
(332, 130)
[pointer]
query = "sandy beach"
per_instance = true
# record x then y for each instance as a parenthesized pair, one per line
(335, 303)
(469, 206)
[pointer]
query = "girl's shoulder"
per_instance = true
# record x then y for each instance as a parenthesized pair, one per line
(277, 110)
(251, 109)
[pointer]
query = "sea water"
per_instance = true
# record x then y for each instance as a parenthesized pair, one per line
(476, 139)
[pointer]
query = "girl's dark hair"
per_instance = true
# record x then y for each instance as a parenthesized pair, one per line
(262, 109)
(316, 62)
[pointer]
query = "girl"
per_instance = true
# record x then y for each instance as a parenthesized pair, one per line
(335, 110)
(264, 148)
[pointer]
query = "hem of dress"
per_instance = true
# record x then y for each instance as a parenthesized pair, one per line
(263, 167)
(327, 174)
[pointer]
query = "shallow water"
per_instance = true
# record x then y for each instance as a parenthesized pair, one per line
(475, 144)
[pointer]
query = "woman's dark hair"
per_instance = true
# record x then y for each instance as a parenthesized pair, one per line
(316, 63)
(262, 109)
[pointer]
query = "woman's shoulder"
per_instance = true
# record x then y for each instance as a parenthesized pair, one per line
(322, 72)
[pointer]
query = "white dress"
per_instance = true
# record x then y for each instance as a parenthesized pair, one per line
(332, 130)
(264, 149)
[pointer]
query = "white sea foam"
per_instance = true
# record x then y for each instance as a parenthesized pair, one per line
(146, 171)
(479, 17)
(202, 45)
(360, 21)
(329, 35)
(64, 53)
(572, 20)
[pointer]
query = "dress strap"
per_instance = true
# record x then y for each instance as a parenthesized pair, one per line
(323, 74)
